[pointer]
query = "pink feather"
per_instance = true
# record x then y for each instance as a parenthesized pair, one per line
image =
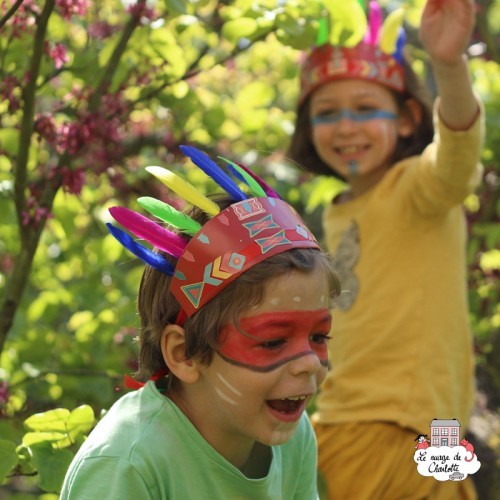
(375, 23)
(142, 227)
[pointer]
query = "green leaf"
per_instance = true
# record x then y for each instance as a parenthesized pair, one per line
(243, 27)
(49, 421)
(51, 464)
(81, 420)
(34, 438)
(9, 138)
(8, 457)
(176, 7)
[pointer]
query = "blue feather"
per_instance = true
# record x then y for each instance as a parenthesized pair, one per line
(215, 172)
(149, 257)
(400, 43)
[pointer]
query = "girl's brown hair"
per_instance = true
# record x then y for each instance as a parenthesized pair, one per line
(303, 152)
(158, 307)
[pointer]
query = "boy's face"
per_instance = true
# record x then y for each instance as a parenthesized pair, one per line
(259, 383)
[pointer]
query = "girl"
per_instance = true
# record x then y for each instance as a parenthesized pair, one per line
(401, 353)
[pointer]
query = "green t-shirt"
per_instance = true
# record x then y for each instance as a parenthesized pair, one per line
(146, 448)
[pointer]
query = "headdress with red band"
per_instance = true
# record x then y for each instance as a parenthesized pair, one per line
(256, 226)
(351, 46)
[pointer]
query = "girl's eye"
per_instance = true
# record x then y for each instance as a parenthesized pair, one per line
(320, 338)
(272, 344)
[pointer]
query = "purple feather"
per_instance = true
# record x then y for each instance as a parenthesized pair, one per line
(142, 227)
(155, 260)
(215, 172)
(270, 192)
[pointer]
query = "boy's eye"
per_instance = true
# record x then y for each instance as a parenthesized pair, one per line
(272, 344)
(320, 338)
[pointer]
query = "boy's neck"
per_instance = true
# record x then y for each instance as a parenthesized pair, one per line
(259, 462)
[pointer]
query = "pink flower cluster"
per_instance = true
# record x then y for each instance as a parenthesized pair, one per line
(23, 20)
(4, 394)
(10, 91)
(57, 52)
(141, 10)
(34, 213)
(93, 139)
(68, 8)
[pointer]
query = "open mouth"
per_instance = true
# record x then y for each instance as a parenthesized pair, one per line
(287, 408)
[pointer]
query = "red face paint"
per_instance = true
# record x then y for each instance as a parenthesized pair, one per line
(269, 340)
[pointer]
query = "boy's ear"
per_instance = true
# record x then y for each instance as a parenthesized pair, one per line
(173, 348)
(409, 118)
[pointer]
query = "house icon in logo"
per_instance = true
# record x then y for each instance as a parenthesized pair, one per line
(445, 432)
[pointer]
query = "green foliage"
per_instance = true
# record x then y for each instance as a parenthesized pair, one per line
(222, 75)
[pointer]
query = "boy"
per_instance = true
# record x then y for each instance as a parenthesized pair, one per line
(234, 341)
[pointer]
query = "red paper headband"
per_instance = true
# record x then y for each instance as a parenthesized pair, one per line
(232, 242)
(328, 63)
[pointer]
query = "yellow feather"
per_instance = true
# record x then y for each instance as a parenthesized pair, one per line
(347, 22)
(390, 30)
(184, 189)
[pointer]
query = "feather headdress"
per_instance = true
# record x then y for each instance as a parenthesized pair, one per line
(352, 44)
(209, 257)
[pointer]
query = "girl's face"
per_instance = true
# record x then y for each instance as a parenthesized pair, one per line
(355, 127)
(258, 385)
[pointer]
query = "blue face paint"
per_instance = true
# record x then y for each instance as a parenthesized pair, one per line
(355, 116)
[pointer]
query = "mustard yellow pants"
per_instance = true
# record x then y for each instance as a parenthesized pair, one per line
(374, 461)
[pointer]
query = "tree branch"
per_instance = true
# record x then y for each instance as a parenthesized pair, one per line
(10, 13)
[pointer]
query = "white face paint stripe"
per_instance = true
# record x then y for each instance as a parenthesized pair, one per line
(224, 397)
(297, 298)
(228, 385)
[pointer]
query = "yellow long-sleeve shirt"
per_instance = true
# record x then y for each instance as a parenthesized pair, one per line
(401, 349)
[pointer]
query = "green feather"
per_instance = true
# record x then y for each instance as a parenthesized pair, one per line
(169, 215)
(249, 180)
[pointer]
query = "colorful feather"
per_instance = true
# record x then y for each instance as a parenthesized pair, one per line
(390, 30)
(270, 192)
(142, 227)
(155, 260)
(184, 189)
(215, 172)
(374, 23)
(240, 174)
(169, 215)
(347, 22)
(398, 54)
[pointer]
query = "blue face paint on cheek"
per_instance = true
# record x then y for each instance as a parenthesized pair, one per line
(355, 116)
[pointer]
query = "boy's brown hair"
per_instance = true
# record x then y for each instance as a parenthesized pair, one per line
(158, 307)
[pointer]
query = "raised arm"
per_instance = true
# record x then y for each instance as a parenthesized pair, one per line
(445, 31)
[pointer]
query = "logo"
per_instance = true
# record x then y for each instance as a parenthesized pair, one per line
(445, 456)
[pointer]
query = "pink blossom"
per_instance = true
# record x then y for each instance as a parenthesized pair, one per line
(34, 213)
(58, 54)
(45, 126)
(4, 392)
(68, 8)
(141, 10)
(72, 180)
(101, 30)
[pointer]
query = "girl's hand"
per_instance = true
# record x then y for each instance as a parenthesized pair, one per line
(445, 29)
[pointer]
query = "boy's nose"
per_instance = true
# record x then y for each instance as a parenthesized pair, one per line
(308, 363)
